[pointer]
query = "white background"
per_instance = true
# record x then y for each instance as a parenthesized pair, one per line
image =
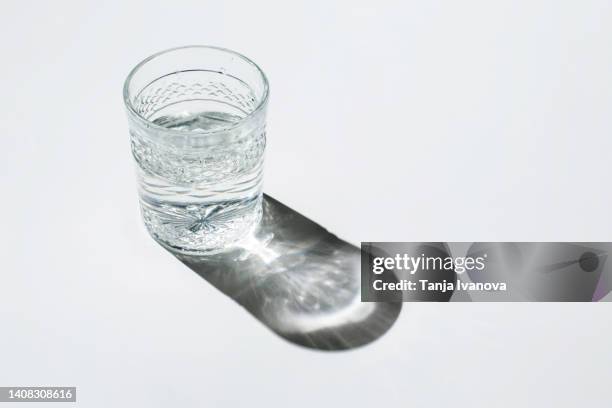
(408, 121)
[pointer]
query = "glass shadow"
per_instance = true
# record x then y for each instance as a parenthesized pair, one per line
(299, 280)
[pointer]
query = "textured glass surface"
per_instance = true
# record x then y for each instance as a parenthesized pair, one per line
(197, 131)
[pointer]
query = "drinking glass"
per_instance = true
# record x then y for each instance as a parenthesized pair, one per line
(197, 129)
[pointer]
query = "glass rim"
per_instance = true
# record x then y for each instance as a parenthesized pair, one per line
(260, 104)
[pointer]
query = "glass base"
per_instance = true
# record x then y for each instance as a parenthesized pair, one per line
(201, 229)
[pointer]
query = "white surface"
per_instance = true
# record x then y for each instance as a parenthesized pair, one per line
(412, 121)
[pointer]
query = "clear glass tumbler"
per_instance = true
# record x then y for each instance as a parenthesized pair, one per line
(197, 129)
